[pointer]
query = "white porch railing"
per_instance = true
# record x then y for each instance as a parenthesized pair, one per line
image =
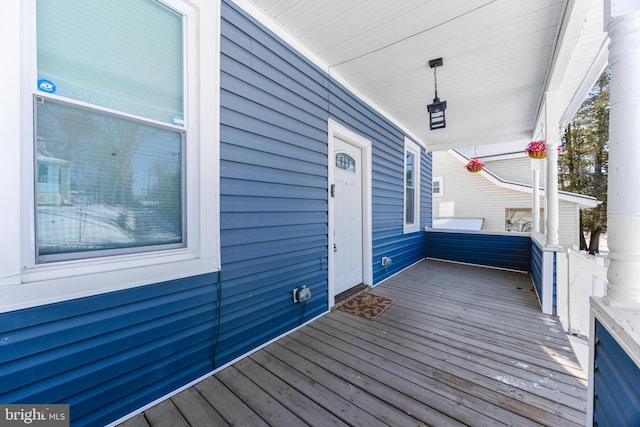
(586, 276)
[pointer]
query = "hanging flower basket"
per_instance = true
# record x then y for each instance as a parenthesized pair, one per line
(538, 154)
(536, 149)
(474, 165)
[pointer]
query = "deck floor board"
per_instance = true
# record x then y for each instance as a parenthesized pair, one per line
(166, 414)
(419, 375)
(451, 350)
(469, 364)
(358, 406)
(320, 388)
(197, 410)
(461, 345)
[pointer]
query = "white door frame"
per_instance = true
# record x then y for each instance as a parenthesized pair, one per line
(336, 130)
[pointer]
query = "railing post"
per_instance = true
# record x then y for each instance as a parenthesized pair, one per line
(623, 213)
(552, 137)
(535, 195)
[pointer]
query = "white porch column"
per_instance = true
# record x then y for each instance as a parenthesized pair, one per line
(535, 195)
(622, 21)
(552, 139)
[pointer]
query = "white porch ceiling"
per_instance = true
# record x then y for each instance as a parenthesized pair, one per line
(500, 56)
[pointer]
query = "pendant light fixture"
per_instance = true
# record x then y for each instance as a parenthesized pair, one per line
(436, 109)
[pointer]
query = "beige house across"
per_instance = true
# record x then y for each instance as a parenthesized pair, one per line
(498, 198)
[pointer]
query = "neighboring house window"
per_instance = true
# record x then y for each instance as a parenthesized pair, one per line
(118, 153)
(520, 219)
(438, 189)
(411, 187)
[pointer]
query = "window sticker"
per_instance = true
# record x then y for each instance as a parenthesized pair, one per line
(46, 86)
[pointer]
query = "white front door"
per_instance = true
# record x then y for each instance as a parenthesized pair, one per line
(348, 225)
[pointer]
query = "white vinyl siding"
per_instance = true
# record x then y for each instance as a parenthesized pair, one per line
(515, 169)
(470, 195)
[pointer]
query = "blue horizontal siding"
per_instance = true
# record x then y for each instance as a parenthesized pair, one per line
(537, 268)
(502, 251)
(616, 377)
(272, 139)
(275, 107)
(426, 183)
(236, 239)
(273, 180)
(111, 353)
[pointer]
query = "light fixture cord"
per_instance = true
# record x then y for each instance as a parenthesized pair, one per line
(435, 80)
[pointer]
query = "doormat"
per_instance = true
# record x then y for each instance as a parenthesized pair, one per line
(368, 306)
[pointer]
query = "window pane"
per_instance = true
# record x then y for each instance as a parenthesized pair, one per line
(346, 162)
(409, 215)
(111, 185)
(520, 219)
(409, 170)
(436, 187)
(120, 54)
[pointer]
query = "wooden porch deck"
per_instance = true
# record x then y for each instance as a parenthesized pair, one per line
(461, 345)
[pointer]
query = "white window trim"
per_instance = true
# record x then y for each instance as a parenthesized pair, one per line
(440, 181)
(24, 284)
(412, 147)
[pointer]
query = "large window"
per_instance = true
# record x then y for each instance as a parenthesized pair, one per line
(109, 134)
(113, 171)
(411, 187)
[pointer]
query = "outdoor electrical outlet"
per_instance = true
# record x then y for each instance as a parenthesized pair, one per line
(386, 261)
(301, 294)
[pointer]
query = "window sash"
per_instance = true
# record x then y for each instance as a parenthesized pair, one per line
(408, 171)
(410, 193)
(109, 171)
(411, 187)
(92, 59)
(118, 54)
(410, 208)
